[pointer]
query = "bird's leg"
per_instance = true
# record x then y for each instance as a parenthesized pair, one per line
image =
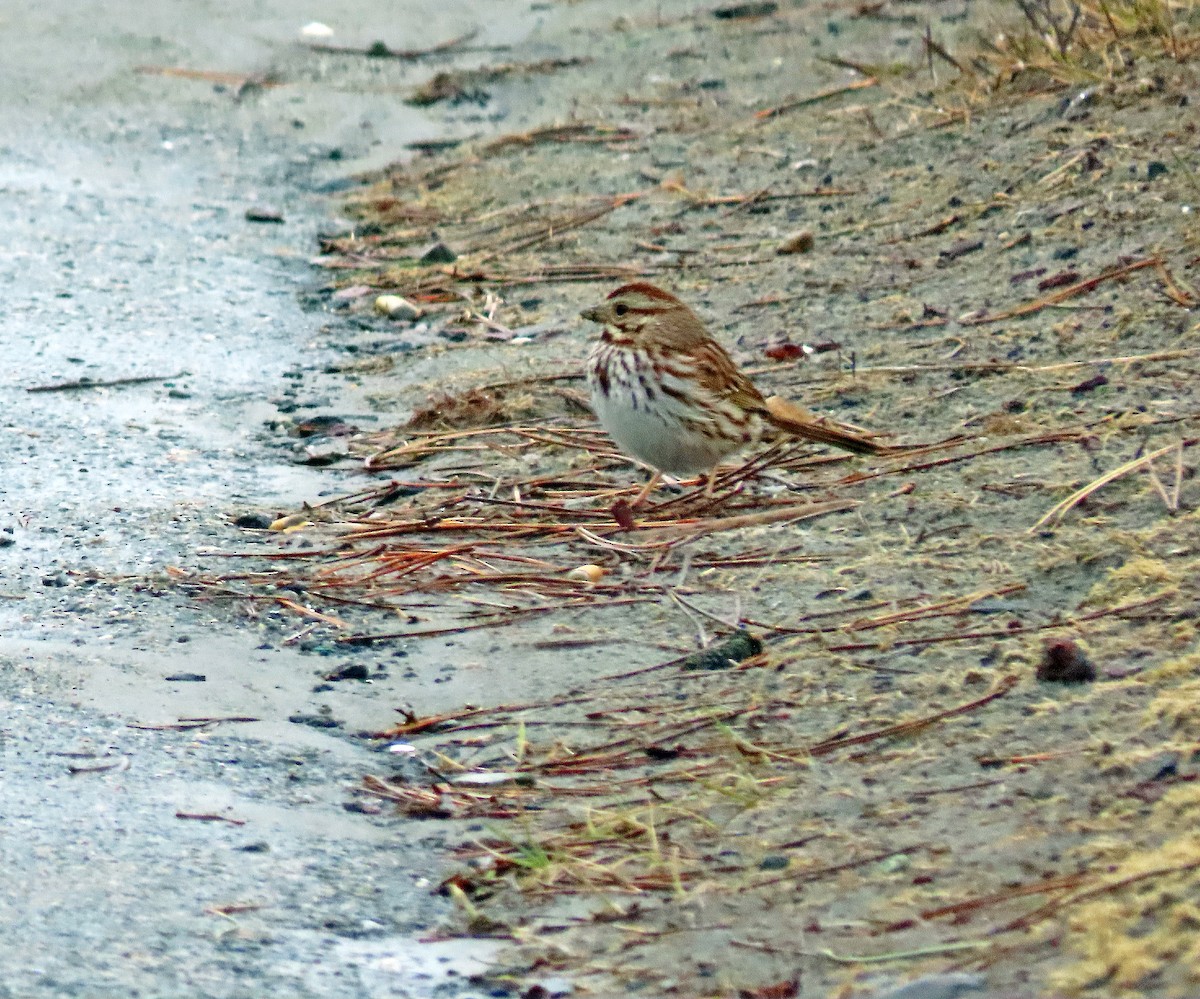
(655, 479)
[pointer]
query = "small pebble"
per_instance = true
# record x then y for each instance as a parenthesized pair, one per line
(800, 242)
(1065, 662)
(1155, 169)
(549, 988)
(732, 12)
(439, 253)
(253, 521)
(396, 307)
(725, 654)
(315, 721)
(354, 671)
(261, 213)
(186, 678)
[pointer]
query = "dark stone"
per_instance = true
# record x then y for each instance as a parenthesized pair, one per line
(724, 654)
(261, 213)
(253, 521)
(1064, 662)
(733, 11)
(314, 721)
(439, 253)
(354, 671)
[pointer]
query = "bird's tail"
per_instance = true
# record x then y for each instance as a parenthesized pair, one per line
(799, 422)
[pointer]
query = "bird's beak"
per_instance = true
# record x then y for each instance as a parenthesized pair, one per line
(593, 314)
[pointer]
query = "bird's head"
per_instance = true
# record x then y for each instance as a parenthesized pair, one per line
(632, 306)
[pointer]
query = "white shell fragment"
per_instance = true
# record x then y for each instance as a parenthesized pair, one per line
(588, 573)
(395, 307)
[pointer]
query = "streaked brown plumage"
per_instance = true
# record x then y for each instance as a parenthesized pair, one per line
(670, 395)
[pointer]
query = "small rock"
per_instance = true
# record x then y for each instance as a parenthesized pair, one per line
(261, 213)
(800, 242)
(1162, 767)
(253, 521)
(186, 678)
(737, 10)
(725, 654)
(1089, 384)
(322, 426)
(1155, 169)
(395, 307)
(315, 721)
(895, 864)
(259, 847)
(775, 862)
(1065, 662)
(354, 671)
(439, 253)
(549, 988)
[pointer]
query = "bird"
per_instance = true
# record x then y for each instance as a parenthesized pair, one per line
(670, 395)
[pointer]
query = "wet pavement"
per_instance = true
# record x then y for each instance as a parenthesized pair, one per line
(127, 254)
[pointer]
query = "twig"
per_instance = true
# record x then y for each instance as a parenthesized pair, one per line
(239, 83)
(378, 50)
(189, 723)
(91, 383)
(1051, 907)
(824, 95)
(209, 817)
(905, 728)
(904, 955)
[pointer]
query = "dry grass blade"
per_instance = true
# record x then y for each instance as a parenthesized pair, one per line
(1056, 513)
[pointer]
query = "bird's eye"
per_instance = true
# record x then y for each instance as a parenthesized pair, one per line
(620, 308)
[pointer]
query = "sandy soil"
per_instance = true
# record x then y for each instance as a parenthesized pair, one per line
(889, 791)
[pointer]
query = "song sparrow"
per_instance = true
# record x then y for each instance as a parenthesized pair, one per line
(669, 394)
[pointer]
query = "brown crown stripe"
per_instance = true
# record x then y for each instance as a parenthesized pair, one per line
(646, 290)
